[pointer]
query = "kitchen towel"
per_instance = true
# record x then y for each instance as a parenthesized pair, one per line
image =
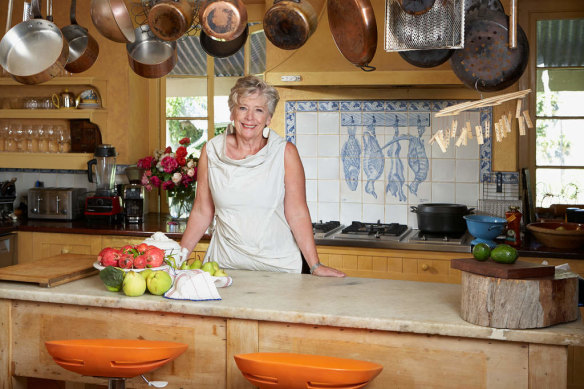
(196, 285)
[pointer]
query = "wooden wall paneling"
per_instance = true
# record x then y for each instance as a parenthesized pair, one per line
(242, 338)
(409, 360)
(544, 366)
(202, 365)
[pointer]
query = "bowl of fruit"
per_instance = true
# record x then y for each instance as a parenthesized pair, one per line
(135, 258)
(561, 235)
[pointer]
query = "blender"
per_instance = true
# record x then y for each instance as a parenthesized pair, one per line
(134, 195)
(105, 205)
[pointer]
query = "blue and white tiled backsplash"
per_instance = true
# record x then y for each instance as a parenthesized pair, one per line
(371, 160)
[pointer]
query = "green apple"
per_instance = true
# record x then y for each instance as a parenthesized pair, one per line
(134, 284)
(197, 264)
(159, 282)
(146, 273)
(220, 273)
(208, 267)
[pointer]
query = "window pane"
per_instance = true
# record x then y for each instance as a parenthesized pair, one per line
(559, 142)
(560, 92)
(222, 114)
(560, 42)
(258, 53)
(557, 186)
(196, 130)
(194, 106)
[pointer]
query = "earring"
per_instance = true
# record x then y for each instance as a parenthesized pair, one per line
(266, 132)
(230, 128)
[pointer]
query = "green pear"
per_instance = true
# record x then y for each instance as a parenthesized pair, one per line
(159, 282)
(197, 264)
(184, 266)
(146, 273)
(134, 284)
(220, 273)
(208, 267)
(215, 265)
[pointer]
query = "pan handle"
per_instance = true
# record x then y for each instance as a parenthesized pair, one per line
(367, 68)
(36, 9)
(414, 209)
(72, 12)
(9, 15)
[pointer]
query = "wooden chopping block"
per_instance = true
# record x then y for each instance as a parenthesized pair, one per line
(519, 303)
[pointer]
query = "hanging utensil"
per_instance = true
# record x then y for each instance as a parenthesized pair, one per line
(149, 56)
(486, 63)
(112, 20)
(221, 49)
(170, 19)
(34, 51)
(289, 23)
(223, 19)
(83, 48)
(354, 30)
(416, 7)
(426, 58)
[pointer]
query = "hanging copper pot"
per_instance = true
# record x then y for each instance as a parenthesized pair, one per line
(223, 19)
(289, 23)
(170, 19)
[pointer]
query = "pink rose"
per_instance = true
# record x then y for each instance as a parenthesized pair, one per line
(176, 177)
(191, 172)
(169, 164)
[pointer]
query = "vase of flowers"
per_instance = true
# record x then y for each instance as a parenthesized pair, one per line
(176, 173)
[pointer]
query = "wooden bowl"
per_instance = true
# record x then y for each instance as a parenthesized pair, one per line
(558, 234)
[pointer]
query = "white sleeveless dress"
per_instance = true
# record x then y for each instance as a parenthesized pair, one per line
(251, 231)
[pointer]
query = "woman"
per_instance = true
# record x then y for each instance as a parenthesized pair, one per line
(252, 182)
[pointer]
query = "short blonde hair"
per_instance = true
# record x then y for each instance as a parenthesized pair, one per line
(248, 85)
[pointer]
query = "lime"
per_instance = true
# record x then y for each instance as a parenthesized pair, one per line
(504, 253)
(481, 251)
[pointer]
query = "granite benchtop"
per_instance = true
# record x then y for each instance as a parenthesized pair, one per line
(375, 304)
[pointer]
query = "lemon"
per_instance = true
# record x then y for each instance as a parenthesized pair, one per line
(481, 252)
(504, 253)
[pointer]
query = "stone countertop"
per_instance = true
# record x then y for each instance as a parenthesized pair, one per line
(376, 304)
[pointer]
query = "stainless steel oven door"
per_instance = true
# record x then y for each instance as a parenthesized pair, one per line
(8, 250)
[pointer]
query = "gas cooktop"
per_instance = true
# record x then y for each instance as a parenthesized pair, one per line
(370, 231)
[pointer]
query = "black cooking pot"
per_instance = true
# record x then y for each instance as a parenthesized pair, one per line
(442, 218)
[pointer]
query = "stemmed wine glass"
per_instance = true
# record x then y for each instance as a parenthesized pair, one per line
(42, 140)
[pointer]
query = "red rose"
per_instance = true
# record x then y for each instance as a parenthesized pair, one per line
(181, 161)
(181, 151)
(166, 185)
(184, 141)
(145, 163)
(168, 150)
(155, 181)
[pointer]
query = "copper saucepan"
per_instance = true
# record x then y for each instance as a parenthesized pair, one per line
(35, 50)
(221, 49)
(354, 30)
(149, 56)
(289, 23)
(170, 19)
(223, 19)
(112, 20)
(83, 48)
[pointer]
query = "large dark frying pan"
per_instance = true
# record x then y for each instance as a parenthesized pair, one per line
(486, 63)
(289, 23)
(83, 48)
(426, 58)
(35, 50)
(352, 24)
(221, 49)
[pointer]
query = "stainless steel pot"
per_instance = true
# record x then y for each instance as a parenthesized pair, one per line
(83, 48)
(149, 56)
(34, 51)
(441, 218)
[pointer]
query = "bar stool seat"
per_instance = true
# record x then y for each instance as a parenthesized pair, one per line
(305, 371)
(113, 358)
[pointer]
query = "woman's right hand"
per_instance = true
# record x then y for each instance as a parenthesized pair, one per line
(325, 271)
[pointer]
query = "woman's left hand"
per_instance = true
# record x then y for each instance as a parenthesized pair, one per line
(325, 271)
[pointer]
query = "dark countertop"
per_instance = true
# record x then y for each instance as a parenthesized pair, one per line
(154, 222)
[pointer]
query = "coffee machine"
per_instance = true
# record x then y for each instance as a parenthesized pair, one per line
(105, 205)
(134, 195)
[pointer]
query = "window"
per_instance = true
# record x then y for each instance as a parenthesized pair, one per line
(188, 100)
(559, 141)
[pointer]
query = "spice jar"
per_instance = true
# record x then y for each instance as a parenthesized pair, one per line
(513, 233)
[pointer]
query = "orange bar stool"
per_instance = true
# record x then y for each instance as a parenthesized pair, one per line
(305, 371)
(115, 359)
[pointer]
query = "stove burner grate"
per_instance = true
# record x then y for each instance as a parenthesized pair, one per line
(391, 229)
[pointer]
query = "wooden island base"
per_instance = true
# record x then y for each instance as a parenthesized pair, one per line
(409, 360)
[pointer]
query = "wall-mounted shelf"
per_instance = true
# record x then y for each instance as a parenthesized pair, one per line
(65, 161)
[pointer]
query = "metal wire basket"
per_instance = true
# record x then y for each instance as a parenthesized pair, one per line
(442, 27)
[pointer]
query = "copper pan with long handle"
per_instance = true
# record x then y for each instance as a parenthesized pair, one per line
(354, 29)
(34, 51)
(83, 48)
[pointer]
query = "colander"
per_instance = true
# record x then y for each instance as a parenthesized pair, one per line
(485, 228)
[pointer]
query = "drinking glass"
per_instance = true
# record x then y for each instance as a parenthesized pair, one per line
(9, 144)
(32, 142)
(3, 134)
(43, 141)
(53, 142)
(19, 138)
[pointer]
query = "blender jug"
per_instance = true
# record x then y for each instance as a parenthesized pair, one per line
(105, 170)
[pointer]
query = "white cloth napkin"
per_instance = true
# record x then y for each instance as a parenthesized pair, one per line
(196, 285)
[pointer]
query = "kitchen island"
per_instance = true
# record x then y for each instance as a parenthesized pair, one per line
(413, 329)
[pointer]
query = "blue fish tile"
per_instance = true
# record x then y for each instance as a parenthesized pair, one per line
(307, 106)
(351, 119)
(375, 119)
(290, 106)
(375, 106)
(351, 106)
(399, 119)
(419, 119)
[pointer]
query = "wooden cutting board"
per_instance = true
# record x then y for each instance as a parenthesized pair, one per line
(51, 271)
(517, 270)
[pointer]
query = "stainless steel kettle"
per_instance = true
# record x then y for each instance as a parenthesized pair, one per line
(64, 99)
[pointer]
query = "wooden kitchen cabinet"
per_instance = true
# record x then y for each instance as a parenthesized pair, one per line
(410, 265)
(37, 245)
